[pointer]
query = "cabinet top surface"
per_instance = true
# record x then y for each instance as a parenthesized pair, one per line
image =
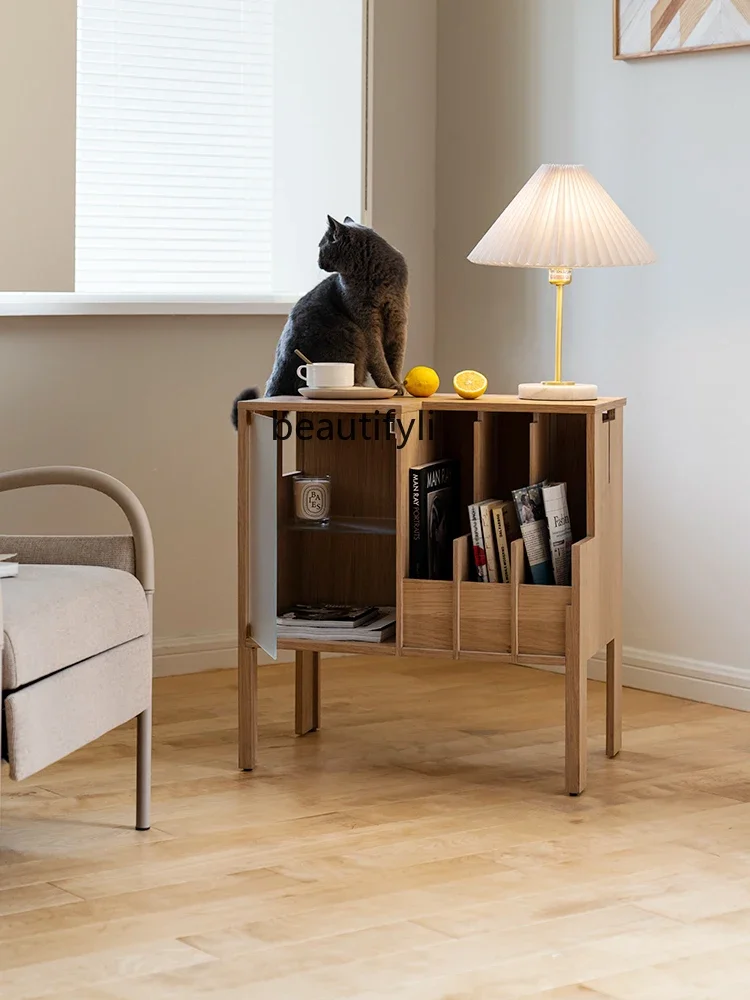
(440, 401)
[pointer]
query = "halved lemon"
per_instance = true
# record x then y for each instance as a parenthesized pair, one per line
(470, 384)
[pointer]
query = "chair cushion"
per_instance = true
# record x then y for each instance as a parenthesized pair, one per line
(59, 714)
(55, 616)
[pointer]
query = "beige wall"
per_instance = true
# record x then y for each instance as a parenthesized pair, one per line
(147, 398)
(523, 82)
(37, 144)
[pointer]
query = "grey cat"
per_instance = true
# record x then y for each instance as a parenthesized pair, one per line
(358, 314)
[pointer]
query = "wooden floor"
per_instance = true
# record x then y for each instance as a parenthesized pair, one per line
(418, 848)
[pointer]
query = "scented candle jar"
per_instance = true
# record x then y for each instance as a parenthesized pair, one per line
(312, 499)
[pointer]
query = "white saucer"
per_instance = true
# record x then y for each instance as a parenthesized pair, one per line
(353, 392)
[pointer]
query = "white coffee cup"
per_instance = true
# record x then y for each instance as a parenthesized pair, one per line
(327, 375)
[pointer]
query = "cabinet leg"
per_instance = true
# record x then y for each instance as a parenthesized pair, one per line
(576, 750)
(247, 707)
(614, 696)
(306, 692)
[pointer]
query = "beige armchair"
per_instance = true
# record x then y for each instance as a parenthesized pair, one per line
(76, 635)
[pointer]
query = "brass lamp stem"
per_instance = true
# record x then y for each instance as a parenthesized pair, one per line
(558, 333)
(559, 277)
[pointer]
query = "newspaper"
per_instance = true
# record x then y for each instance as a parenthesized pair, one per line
(560, 535)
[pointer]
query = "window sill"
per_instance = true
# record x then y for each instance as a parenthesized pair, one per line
(75, 304)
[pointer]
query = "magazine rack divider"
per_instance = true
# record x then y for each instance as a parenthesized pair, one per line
(501, 443)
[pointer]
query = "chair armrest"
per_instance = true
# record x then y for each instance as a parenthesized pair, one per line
(131, 506)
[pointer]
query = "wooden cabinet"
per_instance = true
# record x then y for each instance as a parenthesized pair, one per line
(362, 556)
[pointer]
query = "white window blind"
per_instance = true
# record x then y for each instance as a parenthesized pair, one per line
(174, 146)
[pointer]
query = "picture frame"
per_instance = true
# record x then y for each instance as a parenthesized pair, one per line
(738, 9)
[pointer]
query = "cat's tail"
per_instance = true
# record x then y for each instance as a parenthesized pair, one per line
(244, 395)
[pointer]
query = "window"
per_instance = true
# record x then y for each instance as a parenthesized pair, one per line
(213, 137)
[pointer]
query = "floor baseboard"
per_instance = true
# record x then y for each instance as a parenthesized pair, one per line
(696, 680)
(192, 654)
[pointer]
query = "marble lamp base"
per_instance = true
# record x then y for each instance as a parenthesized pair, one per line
(544, 390)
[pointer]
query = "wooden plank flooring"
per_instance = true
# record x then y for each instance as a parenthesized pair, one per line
(418, 847)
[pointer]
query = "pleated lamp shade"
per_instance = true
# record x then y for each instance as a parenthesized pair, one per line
(562, 217)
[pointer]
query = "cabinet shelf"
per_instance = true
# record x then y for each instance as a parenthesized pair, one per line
(348, 526)
(387, 648)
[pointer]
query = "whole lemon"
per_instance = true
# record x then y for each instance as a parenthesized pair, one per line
(421, 381)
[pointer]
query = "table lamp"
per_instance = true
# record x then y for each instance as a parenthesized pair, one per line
(561, 219)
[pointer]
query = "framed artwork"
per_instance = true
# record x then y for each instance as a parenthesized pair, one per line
(666, 27)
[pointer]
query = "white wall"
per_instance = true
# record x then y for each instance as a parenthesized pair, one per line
(403, 152)
(147, 399)
(529, 81)
(317, 168)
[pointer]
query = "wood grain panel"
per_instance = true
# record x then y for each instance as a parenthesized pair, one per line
(428, 614)
(539, 445)
(306, 692)
(344, 569)
(247, 707)
(485, 615)
(541, 619)
(568, 464)
(508, 457)
(341, 646)
(454, 438)
(461, 564)
(586, 568)
(361, 461)
(440, 401)
(288, 544)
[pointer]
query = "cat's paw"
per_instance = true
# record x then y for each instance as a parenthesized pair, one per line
(399, 388)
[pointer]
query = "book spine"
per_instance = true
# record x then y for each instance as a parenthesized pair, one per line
(490, 549)
(560, 534)
(477, 541)
(418, 537)
(512, 531)
(530, 508)
(503, 549)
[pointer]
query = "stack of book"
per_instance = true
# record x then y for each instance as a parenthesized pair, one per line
(539, 515)
(334, 622)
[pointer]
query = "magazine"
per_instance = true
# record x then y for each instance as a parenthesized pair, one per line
(530, 509)
(322, 615)
(382, 628)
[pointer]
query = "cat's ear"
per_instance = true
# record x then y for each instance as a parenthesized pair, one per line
(332, 224)
(349, 221)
